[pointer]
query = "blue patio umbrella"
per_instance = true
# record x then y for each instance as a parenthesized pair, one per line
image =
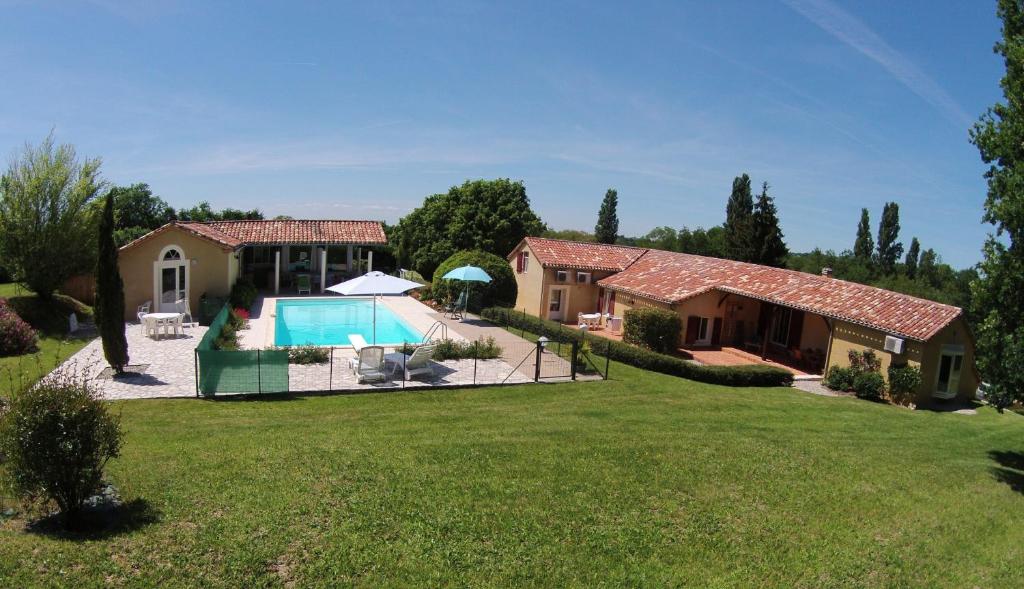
(468, 274)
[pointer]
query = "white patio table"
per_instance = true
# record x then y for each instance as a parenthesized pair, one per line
(154, 321)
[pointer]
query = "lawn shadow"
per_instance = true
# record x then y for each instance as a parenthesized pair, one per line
(104, 519)
(1010, 470)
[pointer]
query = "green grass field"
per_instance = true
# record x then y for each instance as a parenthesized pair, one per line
(642, 480)
(51, 322)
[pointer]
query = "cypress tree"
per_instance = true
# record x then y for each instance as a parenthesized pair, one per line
(997, 299)
(864, 246)
(911, 261)
(739, 221)
(927, 266)
(607, 228)
(889, 249)
(110, 293)
(770, 249)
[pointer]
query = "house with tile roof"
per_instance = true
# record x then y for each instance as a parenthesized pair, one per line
(806, 321)
(189, 259)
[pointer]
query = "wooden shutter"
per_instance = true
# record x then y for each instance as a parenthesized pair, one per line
(692, 327)
(716, 332)
(796, 328)
(519, 263)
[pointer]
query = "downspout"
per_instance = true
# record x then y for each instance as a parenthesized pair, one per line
(828, 352)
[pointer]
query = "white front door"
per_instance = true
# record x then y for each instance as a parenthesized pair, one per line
(170, 279)
(556, 304)
(950, 364)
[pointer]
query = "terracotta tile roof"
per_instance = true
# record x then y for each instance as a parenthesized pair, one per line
(232, 234)
(582, 256)
(301, 231)
(672, 277)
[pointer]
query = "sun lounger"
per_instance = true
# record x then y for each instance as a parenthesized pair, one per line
(416, 363)
(369, 366)
(357, 341)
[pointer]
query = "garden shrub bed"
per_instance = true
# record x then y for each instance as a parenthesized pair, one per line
(736, 376)
(16, 336)
(449, 349)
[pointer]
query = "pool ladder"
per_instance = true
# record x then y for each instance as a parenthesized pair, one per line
(437, 326)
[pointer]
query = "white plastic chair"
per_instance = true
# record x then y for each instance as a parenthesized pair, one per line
(181, 306)
(142, 310)
(369, 366)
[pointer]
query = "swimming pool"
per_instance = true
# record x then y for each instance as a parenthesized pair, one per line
(328, 322)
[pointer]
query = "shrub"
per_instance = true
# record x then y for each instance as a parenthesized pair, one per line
(904, 383)
(839, 378)
(735, 376)
(16, 336)
(449, 349)
(227, 339)
(866, 361)
(869, 385)
(235, 320)
(655, 329)
(308, 355)
(243, 294)
(56, 438)
(997, 396)
(501, 290)
(242, 314)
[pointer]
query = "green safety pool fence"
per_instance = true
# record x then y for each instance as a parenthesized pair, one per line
(237, 371)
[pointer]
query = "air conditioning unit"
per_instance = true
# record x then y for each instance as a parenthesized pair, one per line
(561, 276)
(583, 277)
(893, 344)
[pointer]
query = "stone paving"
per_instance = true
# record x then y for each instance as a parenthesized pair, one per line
(171, 360)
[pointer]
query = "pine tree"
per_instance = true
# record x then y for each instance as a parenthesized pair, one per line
(110, 293)
(607, 229)
(889, 250)
(865, 245)
(997, 297)
(739, 221)
(770, 249)
(910, 263)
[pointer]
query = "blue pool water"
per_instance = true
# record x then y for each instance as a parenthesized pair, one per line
(328, 322)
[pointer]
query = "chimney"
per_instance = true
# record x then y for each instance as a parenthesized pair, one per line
(826, 272)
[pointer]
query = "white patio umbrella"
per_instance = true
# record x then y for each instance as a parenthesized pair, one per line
(375, 284)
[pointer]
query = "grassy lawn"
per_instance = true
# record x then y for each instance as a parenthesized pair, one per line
(54, 347)
(642, 480)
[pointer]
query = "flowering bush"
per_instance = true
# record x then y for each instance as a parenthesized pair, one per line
(242, 314)
(16, 336)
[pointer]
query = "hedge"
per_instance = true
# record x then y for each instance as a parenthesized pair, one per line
(654, 329)
(733, 376)
(501, 290)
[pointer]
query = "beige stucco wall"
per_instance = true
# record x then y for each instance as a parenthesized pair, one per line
(530, 284)
(849, 336)
(210, 268)
(535, 288)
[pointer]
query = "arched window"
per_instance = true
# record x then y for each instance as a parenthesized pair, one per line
(172, 254)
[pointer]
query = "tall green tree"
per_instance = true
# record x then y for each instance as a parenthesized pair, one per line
(910, 262)
(739, 220)
(607, 228)
(889, 250)
(864, 246)
(47, 225)
(928, 267)
(769, 247)
(110, 292)
(999, 135)
(660, 238)
(137, 211)
(488, 215)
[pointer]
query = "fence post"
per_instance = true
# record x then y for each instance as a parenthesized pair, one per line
(197, 371)
(575, 350)
(259, 374)
(476, 347)
(536, 372)
(404, 348)
(330, 374)
(607, 358)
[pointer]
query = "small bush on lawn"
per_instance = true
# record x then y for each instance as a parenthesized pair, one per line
(16, 336)
(501, 290)
(735, 376)
(839, 378)
(243, 294)
(869, 385)
(308, 355)
(654, 329)
(56, 438)
(904, 382)
(997, 396)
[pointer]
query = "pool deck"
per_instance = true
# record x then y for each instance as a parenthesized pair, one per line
(170, 361)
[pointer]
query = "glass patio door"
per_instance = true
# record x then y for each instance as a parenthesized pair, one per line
(172, 284)
(950, 364)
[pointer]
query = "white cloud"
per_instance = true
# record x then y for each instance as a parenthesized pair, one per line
(850, 30)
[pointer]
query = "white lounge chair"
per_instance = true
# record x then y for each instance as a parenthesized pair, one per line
(416, 363)
(369, 366)
(357, 341)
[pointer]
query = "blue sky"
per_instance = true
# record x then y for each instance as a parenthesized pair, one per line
(359, 111)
